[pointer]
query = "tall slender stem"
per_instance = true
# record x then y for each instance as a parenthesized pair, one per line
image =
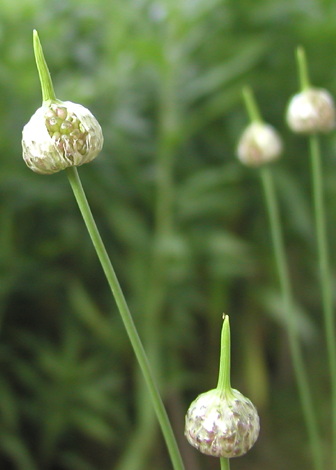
(225, 464)
(325, 276)
(288, 305)
(126, 318)
(322, 247)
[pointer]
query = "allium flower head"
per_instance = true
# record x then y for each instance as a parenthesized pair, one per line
(60, 134)
(222, 426)
(222, 422)
(311, 111)
(259, 144)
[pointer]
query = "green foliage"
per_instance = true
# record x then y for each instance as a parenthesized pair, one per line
(184, 224)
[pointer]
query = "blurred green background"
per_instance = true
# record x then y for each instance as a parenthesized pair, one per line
(183, 221)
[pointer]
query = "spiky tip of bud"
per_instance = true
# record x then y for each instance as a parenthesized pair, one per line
(259, 144)
(60, 135)
(311, 111)
(222, 425)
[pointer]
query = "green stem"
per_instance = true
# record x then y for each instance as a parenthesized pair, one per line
(322, 247)
(224, 383)
(325, 277)
(251, 105)
(126, 318)
(48, 93)
(225, 464)
(307, 402)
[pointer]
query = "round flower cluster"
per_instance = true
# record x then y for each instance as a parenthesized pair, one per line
(60, 135)
(311, 111)
(222, 425)
(260, 143)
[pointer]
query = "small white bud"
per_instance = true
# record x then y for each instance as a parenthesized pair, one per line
(260, 143)
(222, 425)
(311, 111)
(60, 135)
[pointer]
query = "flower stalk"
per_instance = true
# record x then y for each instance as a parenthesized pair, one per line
(126, 318)
(299, 367)
(93, 136)
(323, 251)
(224, 464)
(276, 229)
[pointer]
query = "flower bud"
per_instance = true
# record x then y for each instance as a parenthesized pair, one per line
(311, 111)
(60, 135)
(259, 144)
(222, 422)
(222, 425)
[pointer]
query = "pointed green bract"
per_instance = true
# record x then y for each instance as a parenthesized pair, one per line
(48, 93)
(303, 69)
(251, 105)
(224, 383)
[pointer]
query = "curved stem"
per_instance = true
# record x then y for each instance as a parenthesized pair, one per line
(126, 318)
(288, 306)
(225, 464)
(325, 277)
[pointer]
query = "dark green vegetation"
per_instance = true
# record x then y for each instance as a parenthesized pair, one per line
(183, 221)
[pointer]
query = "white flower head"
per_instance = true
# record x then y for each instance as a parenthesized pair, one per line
(222, 425)
(311, 111)
(259, 144)
(60, 135)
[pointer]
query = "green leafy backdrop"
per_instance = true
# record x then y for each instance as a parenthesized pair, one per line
(183, 221)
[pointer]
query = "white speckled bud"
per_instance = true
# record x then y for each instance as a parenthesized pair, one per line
(222, 425)
(259, 144)
(222, 422)
(60, 135)
(311, 111)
